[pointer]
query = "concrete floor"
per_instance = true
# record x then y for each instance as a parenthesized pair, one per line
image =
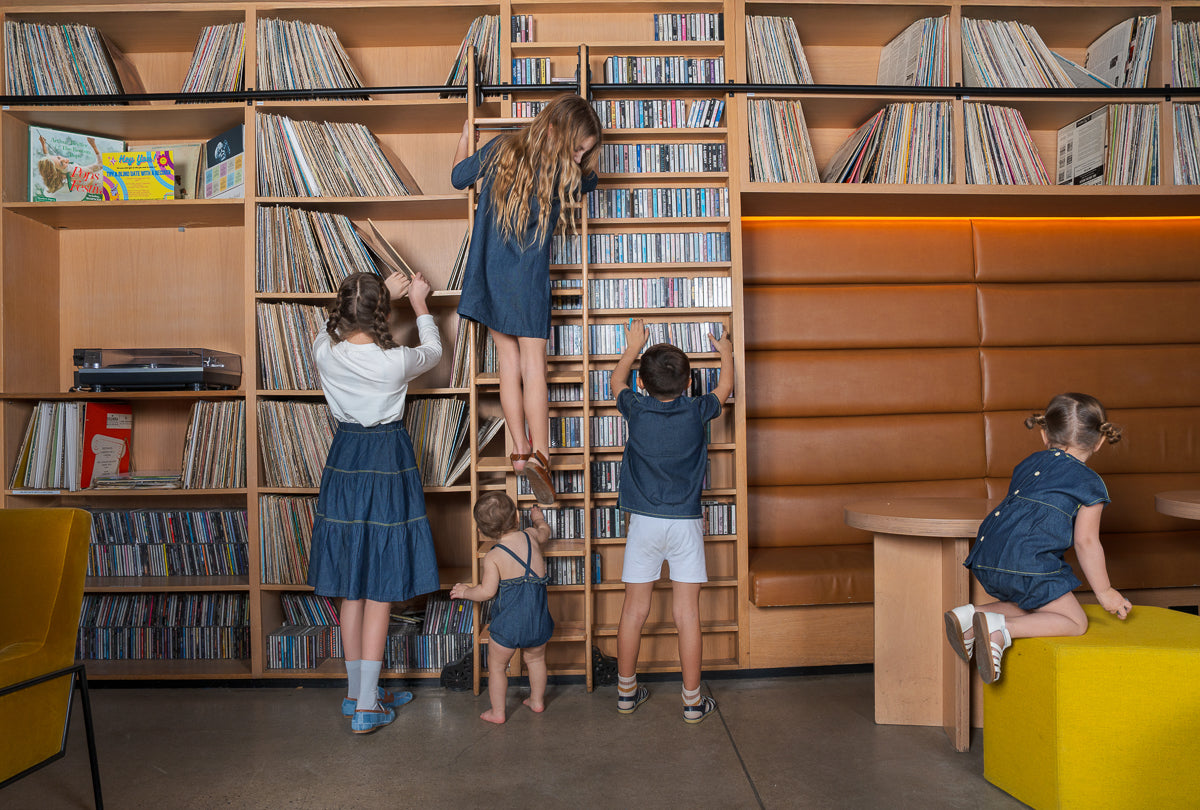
(796, 741)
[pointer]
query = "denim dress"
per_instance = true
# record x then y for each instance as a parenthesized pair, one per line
(371, 537)
(521, 618)
(1018, 553)
(506, 286)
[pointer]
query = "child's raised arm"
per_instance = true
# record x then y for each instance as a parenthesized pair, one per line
(486, 589)
(636, 335)
(464, 143)
(540, 528)
(1091, 560)
(724, 347)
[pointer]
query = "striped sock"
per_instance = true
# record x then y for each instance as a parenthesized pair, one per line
(626, 687)
(691, 698)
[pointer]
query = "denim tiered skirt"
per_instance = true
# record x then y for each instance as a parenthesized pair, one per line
(371, 537)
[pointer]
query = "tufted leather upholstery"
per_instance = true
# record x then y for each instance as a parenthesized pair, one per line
(899, 357)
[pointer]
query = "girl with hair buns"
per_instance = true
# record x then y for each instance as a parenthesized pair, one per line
(531, 182)
(1054, 502)
(371, 543)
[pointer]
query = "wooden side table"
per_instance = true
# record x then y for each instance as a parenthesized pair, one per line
(920, 547)
(1184, 503)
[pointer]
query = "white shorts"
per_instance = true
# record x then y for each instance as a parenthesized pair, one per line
(651, 541)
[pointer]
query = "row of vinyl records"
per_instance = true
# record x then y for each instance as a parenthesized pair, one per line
(907, 142)
(298, 158)
(664, 70)
(295, 439)
(609, 338)
(44, 59)
(642, 293)
(306, 251)
(52, 452)
(643, 113)
(78, 59)
(658, 202)
(641, 248)
(653, 158)
(996, 53)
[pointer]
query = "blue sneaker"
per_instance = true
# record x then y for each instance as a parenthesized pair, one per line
(387, 700)
(366, 722)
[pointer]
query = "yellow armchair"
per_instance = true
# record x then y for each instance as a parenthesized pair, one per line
(43, 559)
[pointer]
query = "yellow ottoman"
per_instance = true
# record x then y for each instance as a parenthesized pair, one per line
(1107, 719)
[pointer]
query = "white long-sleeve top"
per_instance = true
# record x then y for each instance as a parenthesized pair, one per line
(367, 384)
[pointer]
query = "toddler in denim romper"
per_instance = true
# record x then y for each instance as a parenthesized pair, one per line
(520, 617)
(1053, 503)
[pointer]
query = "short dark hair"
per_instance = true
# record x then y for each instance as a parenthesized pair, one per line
(495, 513)
(665, 370)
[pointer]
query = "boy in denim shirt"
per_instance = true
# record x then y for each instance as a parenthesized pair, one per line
(661, 477)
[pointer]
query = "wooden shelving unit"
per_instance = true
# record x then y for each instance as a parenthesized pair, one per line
(182, 273)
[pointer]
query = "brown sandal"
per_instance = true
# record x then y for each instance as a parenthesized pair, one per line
(537, 473)
(515, 457)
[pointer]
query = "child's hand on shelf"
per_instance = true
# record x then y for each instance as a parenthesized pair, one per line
(722, 345)
(636, 334)
(458, 590)
(535, 514)
(397, 285)
(418, 289)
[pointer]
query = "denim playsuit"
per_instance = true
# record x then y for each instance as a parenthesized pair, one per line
(1018, 553)
(521, 618)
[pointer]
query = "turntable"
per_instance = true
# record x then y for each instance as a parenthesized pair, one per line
(156, 370)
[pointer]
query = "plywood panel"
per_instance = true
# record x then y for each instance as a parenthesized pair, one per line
(152, 288)
(31, 314)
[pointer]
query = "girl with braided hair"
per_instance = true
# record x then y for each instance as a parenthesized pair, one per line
(371, 543)
(1054, 502)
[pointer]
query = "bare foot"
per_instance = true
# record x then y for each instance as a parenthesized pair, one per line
(493, 717)
(538, 707)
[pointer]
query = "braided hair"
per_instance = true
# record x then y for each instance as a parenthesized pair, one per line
(363, 305)
(1075, 420)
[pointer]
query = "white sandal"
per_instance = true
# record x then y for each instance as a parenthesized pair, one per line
(985, 624)
(958, 622)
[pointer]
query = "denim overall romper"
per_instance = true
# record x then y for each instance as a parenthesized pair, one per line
(521, 618)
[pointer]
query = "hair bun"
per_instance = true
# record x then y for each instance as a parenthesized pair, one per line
(1036, 420)
(1111, 432)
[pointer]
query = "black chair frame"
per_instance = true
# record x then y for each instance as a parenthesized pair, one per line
(78, 681)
